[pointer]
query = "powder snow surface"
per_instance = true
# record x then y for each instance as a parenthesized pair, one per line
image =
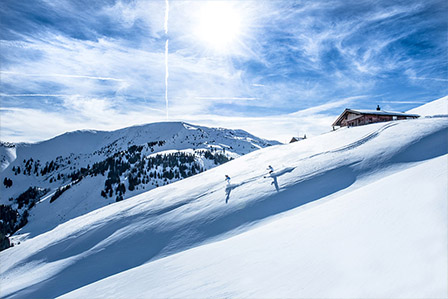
(356, 213)
(437, 107)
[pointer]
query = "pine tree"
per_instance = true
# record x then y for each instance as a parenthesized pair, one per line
(7, 182)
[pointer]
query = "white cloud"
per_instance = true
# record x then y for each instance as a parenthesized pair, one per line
(23, 124)
(105, 69)
(335, 103)
(231, 99)
(32, 125)
(150, 13)
(431, 79)
(62, 76)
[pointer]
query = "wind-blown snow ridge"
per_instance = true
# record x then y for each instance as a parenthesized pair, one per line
(436, 107)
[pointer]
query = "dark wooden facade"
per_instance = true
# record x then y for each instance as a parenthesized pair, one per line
(351, 118)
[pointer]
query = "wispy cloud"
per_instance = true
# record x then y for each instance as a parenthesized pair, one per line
(31, 125)
(403, 102)
(337, 103)
(61, 75)
(88, 63)
(434, 79)
(35, 95)
(227, 98)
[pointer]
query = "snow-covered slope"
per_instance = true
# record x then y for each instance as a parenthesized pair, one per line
(348, 246)
(437, 107)
(359, 212)
(77, 172)
(7, 154)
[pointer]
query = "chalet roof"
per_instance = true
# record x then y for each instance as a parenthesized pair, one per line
(382, 112)
(297, 138)
(372, 112)
(293, 139)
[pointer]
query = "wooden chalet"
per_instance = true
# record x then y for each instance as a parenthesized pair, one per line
(295, 139)
(351, 117)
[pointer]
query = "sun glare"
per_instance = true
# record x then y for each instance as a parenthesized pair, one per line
(219, 25)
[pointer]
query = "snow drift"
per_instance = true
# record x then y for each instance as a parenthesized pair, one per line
(359, 212)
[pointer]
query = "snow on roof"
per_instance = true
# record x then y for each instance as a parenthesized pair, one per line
(381, 112)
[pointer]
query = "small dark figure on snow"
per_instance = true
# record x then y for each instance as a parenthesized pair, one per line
(271, 170)
(228, 188)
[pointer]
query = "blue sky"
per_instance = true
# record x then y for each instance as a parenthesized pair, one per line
(274, 68)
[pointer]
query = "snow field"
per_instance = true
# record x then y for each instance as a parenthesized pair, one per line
(360, 187)
(348, 245)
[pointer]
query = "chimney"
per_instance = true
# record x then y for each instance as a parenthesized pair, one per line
(378, 108)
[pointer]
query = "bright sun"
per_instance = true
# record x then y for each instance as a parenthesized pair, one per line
(219, 25)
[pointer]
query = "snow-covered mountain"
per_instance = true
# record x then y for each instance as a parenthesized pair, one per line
(360, 212)
(77, 172)
(434, 108)
(89, 146)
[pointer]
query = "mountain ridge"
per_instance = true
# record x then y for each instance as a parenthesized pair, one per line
(133, 132)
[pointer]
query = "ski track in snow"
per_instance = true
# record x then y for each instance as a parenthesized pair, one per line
(355, 144)
(345, 148)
